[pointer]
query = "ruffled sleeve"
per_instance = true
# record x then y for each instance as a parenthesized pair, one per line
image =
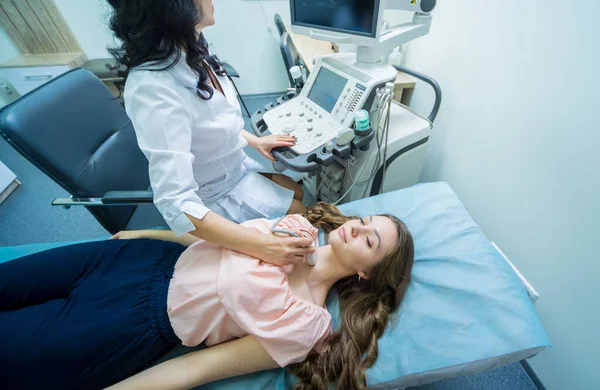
(298, 224)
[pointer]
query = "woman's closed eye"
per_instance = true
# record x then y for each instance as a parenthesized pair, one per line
(368, 240)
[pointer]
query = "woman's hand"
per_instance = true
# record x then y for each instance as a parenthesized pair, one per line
(264, 145)
(266, 247)
(131, 235)
(282, 251)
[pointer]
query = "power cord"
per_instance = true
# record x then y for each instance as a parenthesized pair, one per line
(269, 28)
(386, 99)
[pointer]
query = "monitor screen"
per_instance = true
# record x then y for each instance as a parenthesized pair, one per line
(357, 17)
(327, 89)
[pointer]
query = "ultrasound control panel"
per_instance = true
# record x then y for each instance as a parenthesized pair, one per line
(326, 106)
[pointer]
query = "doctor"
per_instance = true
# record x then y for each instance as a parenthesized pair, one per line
(189, 125)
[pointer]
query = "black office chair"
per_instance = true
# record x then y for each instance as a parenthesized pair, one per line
(291, 57)
(78, 134)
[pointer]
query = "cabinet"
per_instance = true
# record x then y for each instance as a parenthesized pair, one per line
(8, 182)
(30, 71)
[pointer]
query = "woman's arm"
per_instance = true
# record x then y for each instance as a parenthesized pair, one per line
(267, 247)
(163, 235)
(264, 145)
(221, 231)
(250, 138)
(234, 358)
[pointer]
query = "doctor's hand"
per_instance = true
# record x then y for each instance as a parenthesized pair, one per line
(131, 235)
(264, 145)
(282, 251)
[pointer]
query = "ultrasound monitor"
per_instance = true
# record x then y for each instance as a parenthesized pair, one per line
(357, 19)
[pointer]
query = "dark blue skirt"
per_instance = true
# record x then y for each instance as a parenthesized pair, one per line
(85, 316)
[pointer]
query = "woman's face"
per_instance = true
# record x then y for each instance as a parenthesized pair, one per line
(207, 10)
(361, 244)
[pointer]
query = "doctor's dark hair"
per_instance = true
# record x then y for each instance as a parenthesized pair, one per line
(365, 310)
(160, 32)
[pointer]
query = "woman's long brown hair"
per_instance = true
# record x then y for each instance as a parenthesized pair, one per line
(365, 309)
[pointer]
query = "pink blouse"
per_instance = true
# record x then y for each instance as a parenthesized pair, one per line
(218, 295)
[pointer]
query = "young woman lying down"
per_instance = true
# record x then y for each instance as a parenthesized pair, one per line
(88, 316)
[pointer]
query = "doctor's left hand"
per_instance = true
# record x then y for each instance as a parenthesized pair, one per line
(264, 145)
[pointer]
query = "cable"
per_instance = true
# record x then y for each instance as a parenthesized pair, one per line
(378, 158)
(331, 182)
(349, 189)
(378, 140)
(318, 190)
(356, 180)
(269, 29)
(320, 182)
(386, 98)
(381, 133)
(387, 133)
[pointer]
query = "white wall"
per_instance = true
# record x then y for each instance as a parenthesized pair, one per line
(88, 19)
(244, 35)
(241, 37)
(241, 29)
(518, 138)
(7, 48)
(7, 51)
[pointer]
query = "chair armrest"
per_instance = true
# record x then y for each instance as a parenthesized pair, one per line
(111, 198)
(128, 197)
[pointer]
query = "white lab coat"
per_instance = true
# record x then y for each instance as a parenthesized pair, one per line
(195, 150)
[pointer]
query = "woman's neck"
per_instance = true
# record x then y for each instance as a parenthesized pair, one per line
(326, 272)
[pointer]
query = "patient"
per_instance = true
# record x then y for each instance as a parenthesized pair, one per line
(91, 315)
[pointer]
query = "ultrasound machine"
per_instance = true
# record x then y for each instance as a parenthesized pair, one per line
(341, 160)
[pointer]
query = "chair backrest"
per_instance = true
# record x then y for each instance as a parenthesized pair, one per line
(76, 132)
(279, 24)
(290, 54)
